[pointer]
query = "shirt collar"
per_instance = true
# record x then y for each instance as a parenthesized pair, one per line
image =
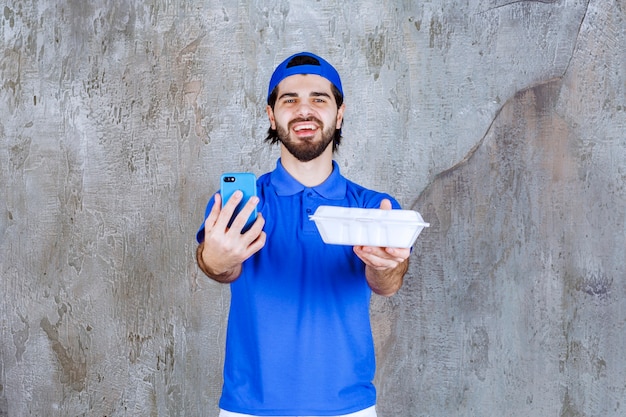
(333, 188)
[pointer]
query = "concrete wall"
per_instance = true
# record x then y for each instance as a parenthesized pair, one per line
(502, 122)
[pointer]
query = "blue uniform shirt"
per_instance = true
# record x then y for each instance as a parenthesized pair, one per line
(299, 340)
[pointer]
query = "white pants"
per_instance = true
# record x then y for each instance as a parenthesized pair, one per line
(368, 412)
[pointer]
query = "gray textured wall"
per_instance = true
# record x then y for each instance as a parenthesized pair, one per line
(503, 122)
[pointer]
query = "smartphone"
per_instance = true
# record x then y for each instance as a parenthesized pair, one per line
(246, 183)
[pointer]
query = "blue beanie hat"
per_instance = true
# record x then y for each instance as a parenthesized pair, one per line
(324, 69)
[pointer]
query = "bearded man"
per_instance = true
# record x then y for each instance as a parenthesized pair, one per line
(299, 340)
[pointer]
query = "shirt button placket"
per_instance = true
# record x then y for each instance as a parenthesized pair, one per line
(308, 209)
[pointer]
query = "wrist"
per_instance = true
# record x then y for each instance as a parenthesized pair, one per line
(223, 275)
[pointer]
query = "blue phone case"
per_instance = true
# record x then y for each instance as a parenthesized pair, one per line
(244, 181)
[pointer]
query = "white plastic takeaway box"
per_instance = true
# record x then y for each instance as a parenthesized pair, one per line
(368, 227)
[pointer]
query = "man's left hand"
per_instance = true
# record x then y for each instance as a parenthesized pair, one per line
(385, 267)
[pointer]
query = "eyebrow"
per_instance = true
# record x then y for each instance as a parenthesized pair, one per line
(313, 94)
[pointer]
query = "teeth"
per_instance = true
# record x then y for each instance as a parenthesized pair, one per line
(305, 127)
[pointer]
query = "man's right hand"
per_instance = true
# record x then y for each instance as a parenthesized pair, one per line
(223, 251)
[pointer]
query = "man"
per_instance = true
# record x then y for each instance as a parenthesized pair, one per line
(299, 341)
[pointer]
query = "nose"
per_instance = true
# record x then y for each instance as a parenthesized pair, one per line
(304, 109)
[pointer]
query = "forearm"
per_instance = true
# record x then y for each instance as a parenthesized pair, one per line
(386, 282)
(224, 277)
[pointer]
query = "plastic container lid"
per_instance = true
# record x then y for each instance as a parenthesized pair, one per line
(368, 227)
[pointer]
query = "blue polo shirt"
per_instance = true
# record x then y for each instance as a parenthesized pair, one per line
(299, 340)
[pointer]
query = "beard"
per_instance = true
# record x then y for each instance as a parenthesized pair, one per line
(306, 149)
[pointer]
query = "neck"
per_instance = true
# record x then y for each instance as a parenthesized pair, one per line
(309, 174)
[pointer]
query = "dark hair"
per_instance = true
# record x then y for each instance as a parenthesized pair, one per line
(272, 134)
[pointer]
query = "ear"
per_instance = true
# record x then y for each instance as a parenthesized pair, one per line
(340, 112)
(270, 116)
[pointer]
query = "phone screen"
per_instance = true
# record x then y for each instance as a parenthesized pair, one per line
(246, 183)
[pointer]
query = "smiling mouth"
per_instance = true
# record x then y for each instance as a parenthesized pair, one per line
(305, 127)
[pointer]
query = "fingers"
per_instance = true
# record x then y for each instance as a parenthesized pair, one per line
(398, 254)
(224, 249)
(257, 226)
(219, 216)
(257, 244)
(239, 222)
(254, 237)
(385, 204)
(228, 209)
(382, 258)
(214, 213)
